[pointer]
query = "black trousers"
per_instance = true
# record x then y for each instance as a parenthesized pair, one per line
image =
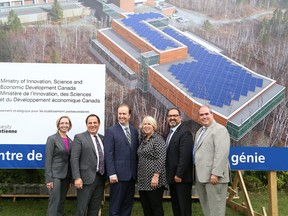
(181, 198)
(152, 202)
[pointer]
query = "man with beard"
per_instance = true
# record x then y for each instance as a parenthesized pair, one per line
(121, 143)
(179, 164)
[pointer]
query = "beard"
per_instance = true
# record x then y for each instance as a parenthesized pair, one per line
(172, 123)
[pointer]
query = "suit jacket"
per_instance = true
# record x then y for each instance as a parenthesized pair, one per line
(57, 163)
(120, 157)
(179, 158)
(211, 155)
(84, 158)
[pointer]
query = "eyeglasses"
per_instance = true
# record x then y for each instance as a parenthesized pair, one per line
(173, 116)
(204, 114)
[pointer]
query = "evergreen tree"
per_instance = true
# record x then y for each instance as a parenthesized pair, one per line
(56, 11)
(14, 23)
(5, 55)
(207, 26)
(55, 58)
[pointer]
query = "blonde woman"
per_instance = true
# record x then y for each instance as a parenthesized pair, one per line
(151, 178)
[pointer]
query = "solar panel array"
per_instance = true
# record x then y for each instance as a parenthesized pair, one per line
(212, 77)
(135, 21)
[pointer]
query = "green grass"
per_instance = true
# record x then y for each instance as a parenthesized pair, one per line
(38, 206)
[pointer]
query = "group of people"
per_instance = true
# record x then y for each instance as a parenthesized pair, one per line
(126, 157)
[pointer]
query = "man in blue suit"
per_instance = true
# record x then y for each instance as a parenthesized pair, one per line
(121, 143)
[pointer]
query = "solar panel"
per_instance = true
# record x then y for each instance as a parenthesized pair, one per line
(152, 36)
(209, 76)
(212, 77)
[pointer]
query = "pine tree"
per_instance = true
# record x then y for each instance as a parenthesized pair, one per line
(5, 55)
(55, 58)
(56, 11)
(14, 23)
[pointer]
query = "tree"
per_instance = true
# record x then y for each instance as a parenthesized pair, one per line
(5, 55)
(56, 11)
(14, 23)
(55, 58)
(264, 34)
(207, 26)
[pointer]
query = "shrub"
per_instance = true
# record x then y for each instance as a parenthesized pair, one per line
(21, 176)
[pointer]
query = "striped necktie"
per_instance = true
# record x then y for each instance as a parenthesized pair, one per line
(128, 134)
(101, 156)
(200, 138)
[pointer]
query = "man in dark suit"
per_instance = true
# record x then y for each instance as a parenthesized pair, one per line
(211, 151)
(87, 163)
(121, 143)
(179, 164)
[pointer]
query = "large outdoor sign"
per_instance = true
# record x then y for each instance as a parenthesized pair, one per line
(259, 158)
(241, 158)
(34, 96)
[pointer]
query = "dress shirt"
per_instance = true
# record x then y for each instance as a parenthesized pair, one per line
(173, 130)
(96, 149)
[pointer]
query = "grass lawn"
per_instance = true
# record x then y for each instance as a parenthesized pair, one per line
(38, 206)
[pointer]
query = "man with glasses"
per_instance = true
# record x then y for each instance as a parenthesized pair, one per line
(211, 150)
(179, 164)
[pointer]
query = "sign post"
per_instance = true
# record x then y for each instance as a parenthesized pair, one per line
(272, 187)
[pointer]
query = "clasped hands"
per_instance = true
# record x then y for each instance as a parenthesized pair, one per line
(155, 180)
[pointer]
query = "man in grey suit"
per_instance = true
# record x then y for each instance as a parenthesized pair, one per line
(211, 150)
(87, 163)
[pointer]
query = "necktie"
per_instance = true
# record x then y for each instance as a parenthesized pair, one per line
(128, 134)
(200, 138)
(101, 156)
(169, 137)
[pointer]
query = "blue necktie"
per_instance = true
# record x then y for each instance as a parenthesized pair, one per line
(199, 140)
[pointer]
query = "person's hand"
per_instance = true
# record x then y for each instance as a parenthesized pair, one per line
(113, 179)
(177, 179)
(155, 180)
(49, 185)
(78, 183)
(214, 179)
